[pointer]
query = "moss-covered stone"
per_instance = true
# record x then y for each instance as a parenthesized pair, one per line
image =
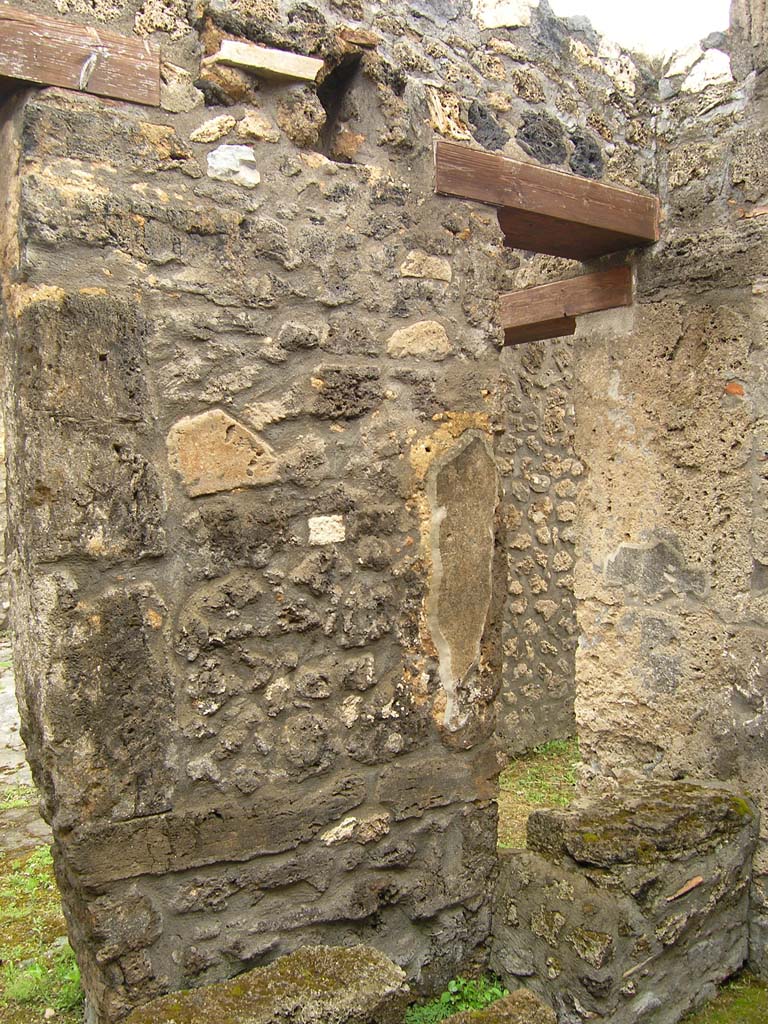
(314, 985)
(521, 1007)
(641, 824)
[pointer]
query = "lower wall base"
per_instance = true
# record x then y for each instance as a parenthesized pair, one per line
(628, 910)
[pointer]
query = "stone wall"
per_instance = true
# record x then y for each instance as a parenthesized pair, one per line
(282, 515)
(628, 909)
(671, 413)
(4, 603)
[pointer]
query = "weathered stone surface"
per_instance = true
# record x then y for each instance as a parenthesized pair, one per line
(109, 712)
(213, 130)
(213, 452)
(256, 125)
(617, 899)
(587, 158)
(542, 137)
(426, 339)
(4, 596)
(421, 264)
(749, 29)
(302, 117)
(177, 840)
(520, 1007)
(315, 985)
(669, 611)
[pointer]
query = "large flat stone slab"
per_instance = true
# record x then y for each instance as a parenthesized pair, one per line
(314, 985)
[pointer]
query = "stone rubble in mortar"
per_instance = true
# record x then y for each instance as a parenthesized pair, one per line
(246, 734)
(671, 424)
(628, 909)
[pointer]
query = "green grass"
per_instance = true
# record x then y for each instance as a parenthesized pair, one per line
(742, 1001)
(461, 994)
(18, 795)
(37, 966)
(545, 777)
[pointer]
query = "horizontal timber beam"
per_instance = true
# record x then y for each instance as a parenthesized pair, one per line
(50, 51)
(548, 211)
(549, 311)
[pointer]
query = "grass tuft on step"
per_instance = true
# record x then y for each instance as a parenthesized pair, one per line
(544, 777)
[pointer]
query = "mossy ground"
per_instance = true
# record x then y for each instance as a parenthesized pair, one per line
(545, 777)
(37, 967)
(742, 1001)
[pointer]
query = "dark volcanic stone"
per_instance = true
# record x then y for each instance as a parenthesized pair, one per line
(587, 158)
(486, 129)
(542, 137)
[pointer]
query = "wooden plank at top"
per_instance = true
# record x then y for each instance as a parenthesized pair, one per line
(266, 63)
(50, 51)
(543, 210)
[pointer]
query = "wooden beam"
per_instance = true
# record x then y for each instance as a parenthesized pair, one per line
(560, 327)
(533, 314)
(542, 210)
(266, 63)
(50, 51)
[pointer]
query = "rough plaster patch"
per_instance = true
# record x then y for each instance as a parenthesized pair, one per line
(463, 492)
(326, 529)
(213, 452)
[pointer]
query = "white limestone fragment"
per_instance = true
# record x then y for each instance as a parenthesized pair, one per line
(236, 164)
(339, 833)
(714, 68)
(327, 529)
(498, 13)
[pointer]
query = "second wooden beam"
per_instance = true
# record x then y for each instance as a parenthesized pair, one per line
(549, 310)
